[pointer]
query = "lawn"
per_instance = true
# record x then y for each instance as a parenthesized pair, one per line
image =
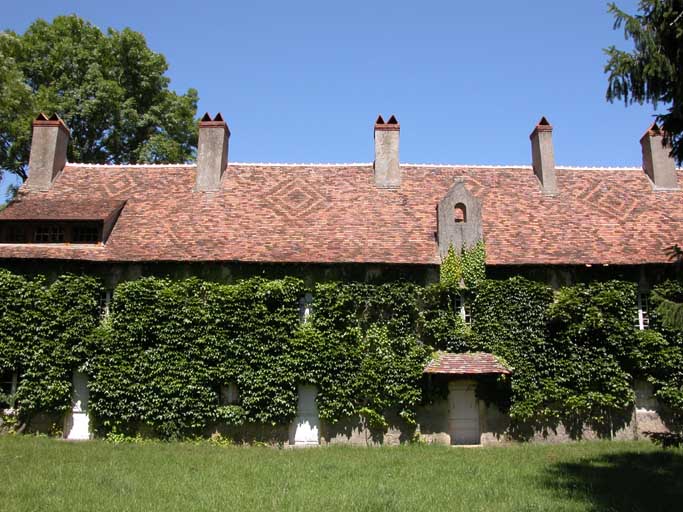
(50, 475)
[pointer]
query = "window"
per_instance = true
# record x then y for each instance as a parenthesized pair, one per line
(105, 301)
(9, 380)
(460, 306)
(86, 234)
(49, 234)
(229, 394)
(15, 233)
(643, 311)
(305, 308)
(52, 232)
(460, 213)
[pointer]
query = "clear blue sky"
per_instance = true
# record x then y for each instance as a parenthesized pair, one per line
(303, 81)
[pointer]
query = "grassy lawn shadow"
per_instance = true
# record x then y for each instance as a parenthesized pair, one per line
(620, 482)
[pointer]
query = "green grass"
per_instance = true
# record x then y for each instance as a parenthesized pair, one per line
(49, 475)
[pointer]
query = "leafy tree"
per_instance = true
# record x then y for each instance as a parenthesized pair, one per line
(653, 71)
(110, 89)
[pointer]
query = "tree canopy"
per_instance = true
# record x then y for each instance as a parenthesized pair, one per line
(109, 88)
(653, 71)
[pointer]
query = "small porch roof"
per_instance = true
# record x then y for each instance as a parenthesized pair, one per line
(469, 363)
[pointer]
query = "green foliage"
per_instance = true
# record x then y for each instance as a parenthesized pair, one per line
(370, 357)
(652, 72)
(474, 264)
(509, 320)
(42, 329)
(109, 88)
(451, 269)
(593, 330)
(661, 349)
(464, 266)
(170, 345)
(441, 325)
(158, 362)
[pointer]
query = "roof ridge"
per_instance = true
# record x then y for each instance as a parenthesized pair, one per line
(366, 164)
(80, 164)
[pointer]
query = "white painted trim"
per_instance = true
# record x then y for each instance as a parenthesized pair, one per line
(358, 164)
(134, 166)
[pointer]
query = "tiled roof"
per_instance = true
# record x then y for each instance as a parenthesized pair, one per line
(38, 208)
(471, 363)
(335, 214)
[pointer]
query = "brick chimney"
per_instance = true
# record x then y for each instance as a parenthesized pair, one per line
(387, 166)
(657, 161)
(212, 152)
(48, 152)
(543, 156)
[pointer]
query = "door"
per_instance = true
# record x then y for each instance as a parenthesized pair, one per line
(77, 421)
(306, 426)
(463, 413)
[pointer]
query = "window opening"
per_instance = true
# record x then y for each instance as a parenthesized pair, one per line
(643, 311)
(229, 394)
(105, 302)
(48, 234)
(15, 234)
(305, 308)
(86, 234)
(460, 213)
(462, 308)
(9, 381)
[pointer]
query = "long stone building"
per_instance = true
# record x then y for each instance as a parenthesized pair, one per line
(223, 220)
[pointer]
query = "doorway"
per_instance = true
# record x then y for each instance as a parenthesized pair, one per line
(463, 413)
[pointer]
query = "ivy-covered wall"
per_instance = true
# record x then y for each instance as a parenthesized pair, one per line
(159, 360)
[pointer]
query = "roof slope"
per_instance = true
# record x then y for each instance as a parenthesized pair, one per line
(333, 214)
(27, 207)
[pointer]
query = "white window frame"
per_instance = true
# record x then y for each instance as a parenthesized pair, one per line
(643, 310)
(460, 306)
(305, 308)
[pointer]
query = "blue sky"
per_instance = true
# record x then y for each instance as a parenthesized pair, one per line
(303, 81)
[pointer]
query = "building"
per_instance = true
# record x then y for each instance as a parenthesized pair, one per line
(221, 219)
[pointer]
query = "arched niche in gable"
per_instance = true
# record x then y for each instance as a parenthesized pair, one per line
(459, 219)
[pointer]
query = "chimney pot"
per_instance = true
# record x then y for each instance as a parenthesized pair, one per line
(49, 143)
(212, 152)
(657, 161)
(543, 156)
(387, 168)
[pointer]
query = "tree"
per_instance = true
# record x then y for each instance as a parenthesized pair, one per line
(110, 89)
(653, 71)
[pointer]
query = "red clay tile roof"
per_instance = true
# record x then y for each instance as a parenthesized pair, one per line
(471, 363)
(334, 214)
(37, 208)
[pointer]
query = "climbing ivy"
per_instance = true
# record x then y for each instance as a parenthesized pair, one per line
(42, 333)
(660, 352)
(464, 266)
(450, 270)
(158, 362)
(474, 264)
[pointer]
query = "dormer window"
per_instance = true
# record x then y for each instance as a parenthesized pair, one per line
(460, 213)
(48, 234)
(45, 221)
(86, 234)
